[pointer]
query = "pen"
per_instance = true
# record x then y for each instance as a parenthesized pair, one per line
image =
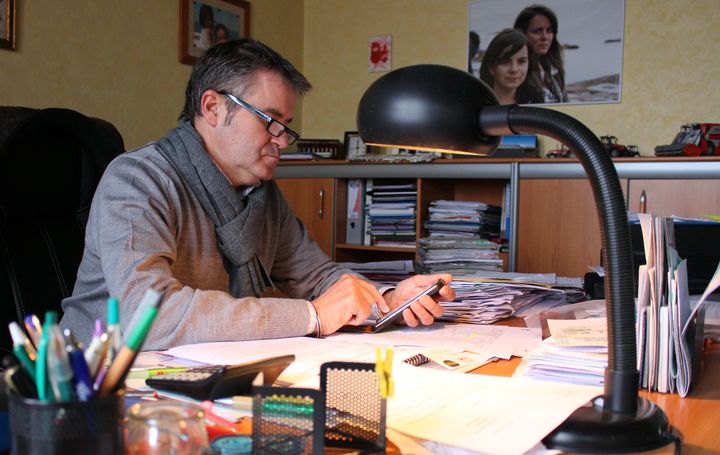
(41, 378)
(59, 370)
(82, 381)
(23, 349)
(151, 372)
(96, 350)
(33, 327)
(125, 358)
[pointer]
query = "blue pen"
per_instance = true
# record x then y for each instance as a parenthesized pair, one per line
(82, 382)
(34, 329)
(41, 377)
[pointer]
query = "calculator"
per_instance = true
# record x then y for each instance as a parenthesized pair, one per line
(217, 381)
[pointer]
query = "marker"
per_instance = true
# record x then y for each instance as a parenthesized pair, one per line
(23, 349)
(113, 328)
(41, 378)
(33, 327)
(125, 358)
(82, 381)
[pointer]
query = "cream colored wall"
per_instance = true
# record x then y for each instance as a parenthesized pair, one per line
(119, 60)
(670, 63)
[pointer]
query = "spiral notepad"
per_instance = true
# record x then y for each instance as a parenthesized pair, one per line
(417, 360)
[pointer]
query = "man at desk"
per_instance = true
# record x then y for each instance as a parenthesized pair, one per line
(197, 213)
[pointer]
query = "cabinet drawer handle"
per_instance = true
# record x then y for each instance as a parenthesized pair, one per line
(643, 202)
(322, 203)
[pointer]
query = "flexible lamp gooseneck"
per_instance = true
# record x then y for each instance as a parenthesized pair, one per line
(438, 108)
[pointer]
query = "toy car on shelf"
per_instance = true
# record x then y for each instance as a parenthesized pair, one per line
(618, 150)
(694, 139)
(561, 152)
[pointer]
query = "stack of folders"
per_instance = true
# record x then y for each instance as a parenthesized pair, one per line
(670, 328)
(390, 207)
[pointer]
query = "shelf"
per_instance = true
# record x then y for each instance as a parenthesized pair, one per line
(347, 246)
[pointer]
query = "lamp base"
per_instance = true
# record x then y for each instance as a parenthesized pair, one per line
(591, 429)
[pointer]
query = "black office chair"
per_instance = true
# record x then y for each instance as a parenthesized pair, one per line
(51, 161)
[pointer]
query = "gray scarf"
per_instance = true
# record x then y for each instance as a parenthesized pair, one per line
(232, 214)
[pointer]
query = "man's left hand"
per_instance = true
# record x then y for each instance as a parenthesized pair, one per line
(426, 309)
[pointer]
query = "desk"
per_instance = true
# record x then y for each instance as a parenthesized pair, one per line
(697, 416)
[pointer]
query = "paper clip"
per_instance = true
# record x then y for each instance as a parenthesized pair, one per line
(383, 368)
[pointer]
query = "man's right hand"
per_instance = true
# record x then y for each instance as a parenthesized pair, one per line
(348, 301)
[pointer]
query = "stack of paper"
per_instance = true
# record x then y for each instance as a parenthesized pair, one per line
(486, 300)
(463, 218)
(576, 353)
(458, 256)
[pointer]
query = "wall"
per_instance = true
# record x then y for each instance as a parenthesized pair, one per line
(669, 70)
(119, 60)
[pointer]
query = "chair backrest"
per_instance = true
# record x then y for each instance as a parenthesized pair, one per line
(51, 161)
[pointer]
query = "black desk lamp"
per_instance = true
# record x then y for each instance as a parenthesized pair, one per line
(437, 108)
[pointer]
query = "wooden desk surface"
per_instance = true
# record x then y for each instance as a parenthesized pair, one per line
(697, 416)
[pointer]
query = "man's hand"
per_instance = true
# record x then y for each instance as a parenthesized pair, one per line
(348, 301)
(426, 309)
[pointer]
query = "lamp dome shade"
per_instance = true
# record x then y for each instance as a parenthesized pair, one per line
(427, 107)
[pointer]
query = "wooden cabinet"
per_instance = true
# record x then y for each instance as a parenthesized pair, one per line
(312, 201)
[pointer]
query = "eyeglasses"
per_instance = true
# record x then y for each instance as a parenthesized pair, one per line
(273, 127)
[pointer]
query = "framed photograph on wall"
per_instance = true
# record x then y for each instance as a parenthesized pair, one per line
(204, 23)
(567, 51)
(355, 148)
(7, 24)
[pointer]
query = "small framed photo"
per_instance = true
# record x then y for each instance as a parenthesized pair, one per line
(355, 148)
(7, 24)
(204, 23)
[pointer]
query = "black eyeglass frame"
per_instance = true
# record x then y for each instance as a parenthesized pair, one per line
(291, 134)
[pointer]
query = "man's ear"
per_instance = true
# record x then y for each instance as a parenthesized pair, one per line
(212, 105)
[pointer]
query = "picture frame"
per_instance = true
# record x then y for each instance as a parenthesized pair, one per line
(8, 31)
(585, 59)
(204, 23)
(355, 148)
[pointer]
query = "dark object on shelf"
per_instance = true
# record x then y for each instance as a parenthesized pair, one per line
(594, 286)
(618, 150)
(455, 112)
(694, 139)
(321, 148)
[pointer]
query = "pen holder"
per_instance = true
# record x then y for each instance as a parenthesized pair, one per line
(355, 412)
(288, 421)
(93, 426)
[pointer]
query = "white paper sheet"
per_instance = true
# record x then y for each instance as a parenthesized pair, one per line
(483, 413)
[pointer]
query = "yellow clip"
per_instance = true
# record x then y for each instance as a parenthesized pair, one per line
(383, 368)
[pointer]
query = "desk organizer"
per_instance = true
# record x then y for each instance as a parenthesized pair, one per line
(287, 421)
(355, 412)
(93, 426)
